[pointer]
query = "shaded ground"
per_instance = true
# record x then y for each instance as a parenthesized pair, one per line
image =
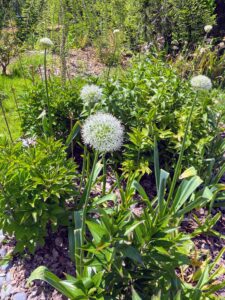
(53, 255)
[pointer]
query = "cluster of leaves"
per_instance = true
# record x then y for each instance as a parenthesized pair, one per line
(35, 182)
(152, 100)
(66, 106)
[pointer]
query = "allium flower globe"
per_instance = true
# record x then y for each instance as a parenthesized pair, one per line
(116, 31)
(201, 82)
(46, 43)
(208, 28)
(91, 94)
(103, 132)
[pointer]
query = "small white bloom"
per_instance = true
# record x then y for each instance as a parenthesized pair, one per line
(208, 28)
(91, 94)
(202, 50)
(28, 142)
(103, 132)
(46, 43)
(201, 82)
(116, 31)
(221, 45)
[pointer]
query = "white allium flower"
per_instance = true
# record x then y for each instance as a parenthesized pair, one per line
(201, 82)
(91, 94)
(103, 132)
(116, 31)
(46, 43)
(208, 28)
(221, 45)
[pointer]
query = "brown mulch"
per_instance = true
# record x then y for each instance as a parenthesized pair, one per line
(53, 255)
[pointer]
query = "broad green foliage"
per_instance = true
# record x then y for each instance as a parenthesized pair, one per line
(35, 182)
(152, 100)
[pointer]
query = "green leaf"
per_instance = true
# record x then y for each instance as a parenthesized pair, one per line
(97, 231)
(156, 163)
(188, 173)
(132, 227)
(132, 253)
(135, 295)
(42, 273)
(162, 189)
(185, 190)
(204, 278)
(74, 132)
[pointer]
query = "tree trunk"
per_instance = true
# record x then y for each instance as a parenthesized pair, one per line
(4, 67)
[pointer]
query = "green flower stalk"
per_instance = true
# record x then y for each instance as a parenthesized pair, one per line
(198, 83)
(104, 133)
(46, 44)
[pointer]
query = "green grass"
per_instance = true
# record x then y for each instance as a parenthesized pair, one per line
(20, 85)
(26, 62)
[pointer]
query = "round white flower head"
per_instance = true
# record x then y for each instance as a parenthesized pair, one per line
(103, 132)
(116, 31)
(201, 82)
(46, 43)
(91, 94)
(208, 28)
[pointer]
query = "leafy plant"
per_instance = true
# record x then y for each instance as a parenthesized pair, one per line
(134, 255)
(35, 182)
(66, 107)
(152, 100)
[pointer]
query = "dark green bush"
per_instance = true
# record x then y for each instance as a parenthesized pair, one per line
(35, 182)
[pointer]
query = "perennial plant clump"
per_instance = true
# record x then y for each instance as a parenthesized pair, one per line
(103, 132)
(36, 179)
(91, 94)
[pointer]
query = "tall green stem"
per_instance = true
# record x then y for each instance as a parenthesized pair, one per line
(113, 57)
(178, 166)
(83, 167)
(47, 93)
(104, 175)
(6, 121)
(15, 100)
(84, 214)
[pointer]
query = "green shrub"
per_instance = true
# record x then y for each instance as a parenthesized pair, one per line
(35, 182)
(152, 100)
(65, 104)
